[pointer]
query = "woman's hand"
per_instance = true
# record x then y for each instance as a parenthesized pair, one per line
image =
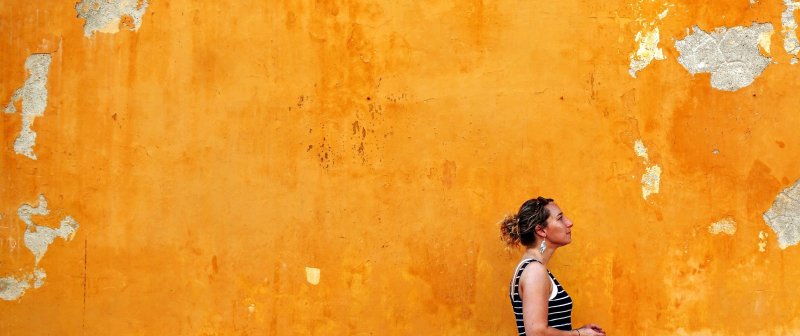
(591, 330)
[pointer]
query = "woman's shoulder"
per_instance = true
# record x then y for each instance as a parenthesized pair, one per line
(533, 270)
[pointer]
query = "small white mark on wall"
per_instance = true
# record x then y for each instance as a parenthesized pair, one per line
(651, 179)
(762, 241)
(312, 275)
(725, 225)
(105, 16)
(33, 95)
(251, 308)
(784, 216)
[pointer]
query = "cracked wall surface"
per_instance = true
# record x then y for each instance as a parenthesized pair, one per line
(106, 16)
(730, 55)
(33, 95)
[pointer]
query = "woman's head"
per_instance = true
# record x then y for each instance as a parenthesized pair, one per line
(522, 227)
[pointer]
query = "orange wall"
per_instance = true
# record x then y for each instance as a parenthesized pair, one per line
(213, 154)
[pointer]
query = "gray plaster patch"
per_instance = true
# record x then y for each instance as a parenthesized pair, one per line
(784, 216)
(37, 237)
(34, 101)
(789, 27)
(12, 288)
(105, 15)
(731, 55)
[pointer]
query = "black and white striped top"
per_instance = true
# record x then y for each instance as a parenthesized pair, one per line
(559, 307)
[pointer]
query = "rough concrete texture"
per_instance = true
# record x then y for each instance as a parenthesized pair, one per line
(106, 15)
(37, 237)
(34, 101)
(725, 225)
(789, 29)
(783, 217)
(647, 51)
(731, 55)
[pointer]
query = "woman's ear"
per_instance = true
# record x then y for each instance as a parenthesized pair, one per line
(540, 231)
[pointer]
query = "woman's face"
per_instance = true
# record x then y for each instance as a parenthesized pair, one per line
(559, 227)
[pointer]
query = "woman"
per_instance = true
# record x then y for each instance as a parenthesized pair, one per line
(541, 305)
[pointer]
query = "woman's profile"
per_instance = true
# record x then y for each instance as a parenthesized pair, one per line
(541, 305)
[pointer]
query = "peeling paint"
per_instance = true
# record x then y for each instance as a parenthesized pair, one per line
(647, 40)
(784, 216)
(647, 52)
(33, 94)
(762, 241)
(789, 27)
(312, 275)
(105, 16)
(38, 238)
(731, 55)
(725, 225)
(13, 288)
(641, 150)
(651, 179)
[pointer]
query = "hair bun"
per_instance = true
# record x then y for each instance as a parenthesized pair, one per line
(509, 230)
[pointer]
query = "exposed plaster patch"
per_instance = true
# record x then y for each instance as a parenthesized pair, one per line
(647, 40)
(651, 179)
(38, 237)
(312, 275)
(731, 55)
(641, 150)
(784, 216)
(789, 27)
(725, 225)
(34, 101)
(762, 241)
(12, 288)
(105, 16)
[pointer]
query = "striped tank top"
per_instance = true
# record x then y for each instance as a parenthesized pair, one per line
(559, 307)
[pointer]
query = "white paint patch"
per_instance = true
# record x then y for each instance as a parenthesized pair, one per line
(762, 241)
(105, 16)
(33, 94)
(651, 181)
(312, 275)
(641, 150)
(789, 27)
(784, 216)
(647, 51)
(37, 238)
(725, 225)
(647, 39)
(730, 55)
(765, 40)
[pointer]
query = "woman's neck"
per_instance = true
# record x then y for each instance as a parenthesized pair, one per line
(533, 252)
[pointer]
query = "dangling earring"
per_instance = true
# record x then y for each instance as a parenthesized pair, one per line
(542, 247)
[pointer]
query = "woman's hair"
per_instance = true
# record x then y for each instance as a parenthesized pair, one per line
(521, 228)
